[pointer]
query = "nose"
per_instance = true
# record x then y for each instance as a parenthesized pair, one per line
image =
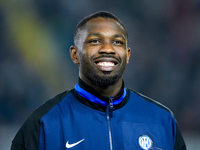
(107, 48)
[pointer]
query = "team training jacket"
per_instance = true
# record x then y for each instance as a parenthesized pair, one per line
(82, 119)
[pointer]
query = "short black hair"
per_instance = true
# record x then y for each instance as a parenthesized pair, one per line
(104, 14)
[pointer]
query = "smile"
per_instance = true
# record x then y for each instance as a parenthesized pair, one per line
(106, 64)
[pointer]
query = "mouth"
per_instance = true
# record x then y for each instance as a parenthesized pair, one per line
(106, 64)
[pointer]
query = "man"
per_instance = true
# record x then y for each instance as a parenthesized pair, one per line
(99, 113)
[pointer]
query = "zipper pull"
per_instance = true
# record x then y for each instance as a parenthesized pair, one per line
(111, 107)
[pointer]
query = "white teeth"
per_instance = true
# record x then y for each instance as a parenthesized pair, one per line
(105, 64)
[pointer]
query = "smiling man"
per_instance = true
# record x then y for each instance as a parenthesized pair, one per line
(99, 113)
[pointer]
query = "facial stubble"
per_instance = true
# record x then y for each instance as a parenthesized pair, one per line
(104, 80)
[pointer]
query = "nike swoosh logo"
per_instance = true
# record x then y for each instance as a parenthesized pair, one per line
(74, 144)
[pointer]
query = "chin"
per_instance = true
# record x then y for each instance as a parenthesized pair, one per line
(104, 81)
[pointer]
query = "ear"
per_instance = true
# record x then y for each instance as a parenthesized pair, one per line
(74, 54)
(128, 54)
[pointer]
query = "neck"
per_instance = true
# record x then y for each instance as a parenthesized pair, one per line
(109, 91)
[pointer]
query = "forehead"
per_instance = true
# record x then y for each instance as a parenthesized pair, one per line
(104, 25)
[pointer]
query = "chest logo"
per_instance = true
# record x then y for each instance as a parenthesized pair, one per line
(145, 142)
(74, 144)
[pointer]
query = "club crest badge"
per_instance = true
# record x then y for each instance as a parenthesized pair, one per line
(145, 142)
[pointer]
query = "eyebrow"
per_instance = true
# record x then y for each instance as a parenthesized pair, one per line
(119, 35)
(94, 34)
(115, 35)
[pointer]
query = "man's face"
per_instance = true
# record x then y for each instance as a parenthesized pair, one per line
(102, 52)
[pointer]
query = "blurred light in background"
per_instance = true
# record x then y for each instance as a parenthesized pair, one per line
(35, 36)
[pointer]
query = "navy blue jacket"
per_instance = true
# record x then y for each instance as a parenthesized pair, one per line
(72, 120)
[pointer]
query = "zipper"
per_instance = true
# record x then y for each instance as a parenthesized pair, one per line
(109, 111)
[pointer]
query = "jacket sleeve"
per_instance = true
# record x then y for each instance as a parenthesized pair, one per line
(179, 142)
(27, 138)
(16, 146)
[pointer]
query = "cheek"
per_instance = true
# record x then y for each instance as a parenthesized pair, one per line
(88, 55)
(84, 59)
(123, 56)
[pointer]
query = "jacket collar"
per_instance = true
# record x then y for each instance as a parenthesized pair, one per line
(118, 102)
(91, 90)
(92, 95)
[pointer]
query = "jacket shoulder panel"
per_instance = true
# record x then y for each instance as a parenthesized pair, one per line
(153, 101)
(29, 134)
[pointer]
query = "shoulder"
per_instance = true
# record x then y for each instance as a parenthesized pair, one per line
(150, 101)
(48, 105)
(30, 130)
(43, 109)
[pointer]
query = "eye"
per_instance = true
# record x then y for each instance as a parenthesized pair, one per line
(95, 41)
(118, 42)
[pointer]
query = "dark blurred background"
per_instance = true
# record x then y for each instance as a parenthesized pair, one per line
(35, 36)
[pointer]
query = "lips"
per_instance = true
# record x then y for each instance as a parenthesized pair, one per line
(106, 63)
